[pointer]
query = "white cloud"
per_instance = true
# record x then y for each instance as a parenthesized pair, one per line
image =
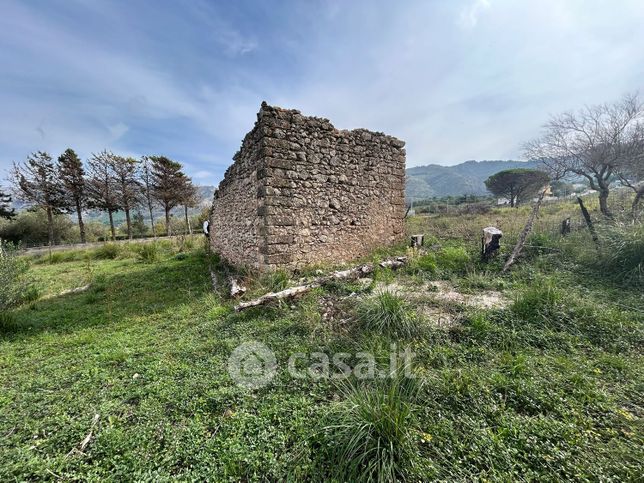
(408, 70)
(469, 15)
(203, 174)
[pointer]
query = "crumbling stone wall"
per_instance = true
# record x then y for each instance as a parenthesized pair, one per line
(301, 192)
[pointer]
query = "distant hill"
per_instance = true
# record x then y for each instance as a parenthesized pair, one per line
(462, 179)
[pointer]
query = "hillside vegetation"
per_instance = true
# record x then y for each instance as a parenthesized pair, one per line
(534, 375)
(466, 178)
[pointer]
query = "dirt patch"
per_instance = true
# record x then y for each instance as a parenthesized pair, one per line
(490, 299)
(440, 303)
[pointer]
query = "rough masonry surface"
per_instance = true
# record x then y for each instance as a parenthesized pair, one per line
(302, 192)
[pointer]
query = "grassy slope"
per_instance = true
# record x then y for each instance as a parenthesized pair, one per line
(548, 388)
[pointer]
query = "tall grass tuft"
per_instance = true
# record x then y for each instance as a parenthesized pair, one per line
(622, 256)
(537, 302)
(148, 252)
(15, 285)
(274, 281)
(370, 434)
(387, 313)
(109, 251)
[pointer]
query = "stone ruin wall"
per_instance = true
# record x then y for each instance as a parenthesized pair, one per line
(301, 192)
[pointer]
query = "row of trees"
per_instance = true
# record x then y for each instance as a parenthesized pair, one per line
(107, 182)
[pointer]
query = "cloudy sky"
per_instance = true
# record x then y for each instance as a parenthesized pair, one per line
(457, 80)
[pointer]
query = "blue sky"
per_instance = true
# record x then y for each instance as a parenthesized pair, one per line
(457, 80)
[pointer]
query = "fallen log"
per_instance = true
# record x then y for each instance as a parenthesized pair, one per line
(349, 274)
(74, 290)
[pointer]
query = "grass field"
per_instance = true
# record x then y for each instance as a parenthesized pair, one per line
(546, 384)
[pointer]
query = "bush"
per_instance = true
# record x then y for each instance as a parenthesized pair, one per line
(387, 313)
(370, 435)
(148, 252)
(109, 251)
(15, 284)
(30, 228)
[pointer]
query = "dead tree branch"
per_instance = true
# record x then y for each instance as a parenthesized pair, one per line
(348, 274)
(589, 221)
(526, 231)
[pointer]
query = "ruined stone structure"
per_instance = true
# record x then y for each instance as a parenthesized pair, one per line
(301, 192)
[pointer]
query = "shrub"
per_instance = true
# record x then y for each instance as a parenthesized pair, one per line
(370, 435)
(13, 277)
(148, 252)
(109, 251)
(389, 314)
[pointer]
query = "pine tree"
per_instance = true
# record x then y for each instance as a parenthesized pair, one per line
(5, 211)
(127, 186)
(517, 185)
(168, 184)
(72, 176)
(101, 186)
(36, 182)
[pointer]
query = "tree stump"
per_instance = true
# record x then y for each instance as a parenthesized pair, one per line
(417, 241)
(565, 227)
(490, 242)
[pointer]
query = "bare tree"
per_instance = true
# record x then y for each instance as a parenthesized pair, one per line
(592, 142)
(146, 182)
(72, 175)
(101, 186)
(127, 186)
(36, 183)
(630, 169)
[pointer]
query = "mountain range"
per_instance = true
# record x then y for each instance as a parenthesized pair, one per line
(467, 178)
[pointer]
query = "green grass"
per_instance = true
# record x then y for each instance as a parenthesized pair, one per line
(548, 388)
(387, 313)
(371, 435)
